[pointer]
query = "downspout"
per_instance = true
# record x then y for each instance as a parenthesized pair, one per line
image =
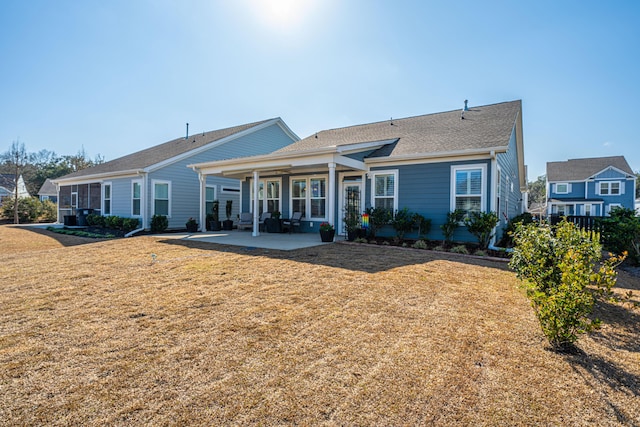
(256, 204)
(492, 204)
(332, 194)
(203, 206)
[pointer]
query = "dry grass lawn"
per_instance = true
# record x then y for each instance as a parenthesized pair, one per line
(104, 333)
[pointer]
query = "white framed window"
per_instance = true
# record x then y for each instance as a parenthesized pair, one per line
(271, 198)
(309, 196)
(209, 197)
(609, 188)
(161, 197)
(106, 198)
(563, 188)
(559, 210)
(136, 198)
(384, 192)
(588, 209)
(468, 188)
(611, 207)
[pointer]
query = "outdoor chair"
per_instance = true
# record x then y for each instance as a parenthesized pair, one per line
(293, 222)
(246, 221)
(263, 216)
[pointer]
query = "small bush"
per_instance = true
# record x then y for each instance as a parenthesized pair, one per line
(159, 223)
(29, 209)
(450, 226)
(480, 252)
(420, 244)
(563, 276)
(481, 225)
(460, 249)
(49, 211)
(95, 220)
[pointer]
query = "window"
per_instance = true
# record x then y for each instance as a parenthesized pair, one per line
(560, 210)
(587, 209)
(309, 196)
(385, 190)
(609, 188)
(209, 197)
(318, 197)
(562, 188)
(611, 207)
(271, 198)
(136, 198)
(468, 188)
(106, 199)
(161, 198)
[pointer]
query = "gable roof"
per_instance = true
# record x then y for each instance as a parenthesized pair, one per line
(8, 181)
(149, 157)
(484, 127)
(48, 188)
(582, 169)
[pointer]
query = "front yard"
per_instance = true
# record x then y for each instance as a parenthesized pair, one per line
(146, 331)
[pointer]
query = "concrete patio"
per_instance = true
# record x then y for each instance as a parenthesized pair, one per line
(279, 241)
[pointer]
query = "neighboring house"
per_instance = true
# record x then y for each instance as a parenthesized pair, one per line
(157, 181)
(589, 187)
(48, 191)
(638, 207)
(8, 186)
(471, 159)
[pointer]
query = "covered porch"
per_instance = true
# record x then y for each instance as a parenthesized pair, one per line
(329, 172)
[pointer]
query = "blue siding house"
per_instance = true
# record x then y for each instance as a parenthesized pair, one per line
(470, 159)
(590, 186)
(157, 181)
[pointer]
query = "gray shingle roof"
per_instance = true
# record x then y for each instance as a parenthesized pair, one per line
(8, 181)
(488, 126)
(48, 188)
(159, 153)
(581, 169)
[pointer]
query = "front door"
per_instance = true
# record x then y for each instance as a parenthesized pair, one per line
(351, 202)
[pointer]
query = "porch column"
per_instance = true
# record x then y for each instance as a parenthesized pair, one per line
(203, 201)
(256, 204)
(331, 196)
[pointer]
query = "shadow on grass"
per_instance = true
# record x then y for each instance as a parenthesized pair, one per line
(65, 239)
(365, 258)
(609, 377)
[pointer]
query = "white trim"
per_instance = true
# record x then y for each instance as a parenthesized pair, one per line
(139, 182)
(264, 199)
(396, 183)
(483, 184)
(341, 185)
(566, 184)
(103, 198)
(307, 202)
(153, 195)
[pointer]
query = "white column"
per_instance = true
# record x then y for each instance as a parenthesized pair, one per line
(203, 201)
(331, 205)
(256, 204)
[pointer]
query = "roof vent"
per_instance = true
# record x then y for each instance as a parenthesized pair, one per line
(391, 119)
(187, 135)
(466, 108)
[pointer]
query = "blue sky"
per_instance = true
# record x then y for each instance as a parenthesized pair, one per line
(118, 76)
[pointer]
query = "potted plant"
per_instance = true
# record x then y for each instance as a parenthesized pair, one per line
(273, 224)
(214, 222)
(192, 225)
(352, 225)
(327, 232)
(227, 224)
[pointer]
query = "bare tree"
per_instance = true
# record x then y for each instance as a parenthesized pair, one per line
(17, 157)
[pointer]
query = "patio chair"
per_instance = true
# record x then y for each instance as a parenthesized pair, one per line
(263, 216)
(293, 222)
(246, 221)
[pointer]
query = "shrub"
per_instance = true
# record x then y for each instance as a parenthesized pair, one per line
(563, 276)
(159, 223)
(621, 233)
(507, 237)
(420, 244)
(402, 222)
(130, 224)
(481, 225)
(49, 211)
(423, 224)
(460, 249)
(114, 222)
(95, 220)
(450, 225)
(29, 209)
(378, 218)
